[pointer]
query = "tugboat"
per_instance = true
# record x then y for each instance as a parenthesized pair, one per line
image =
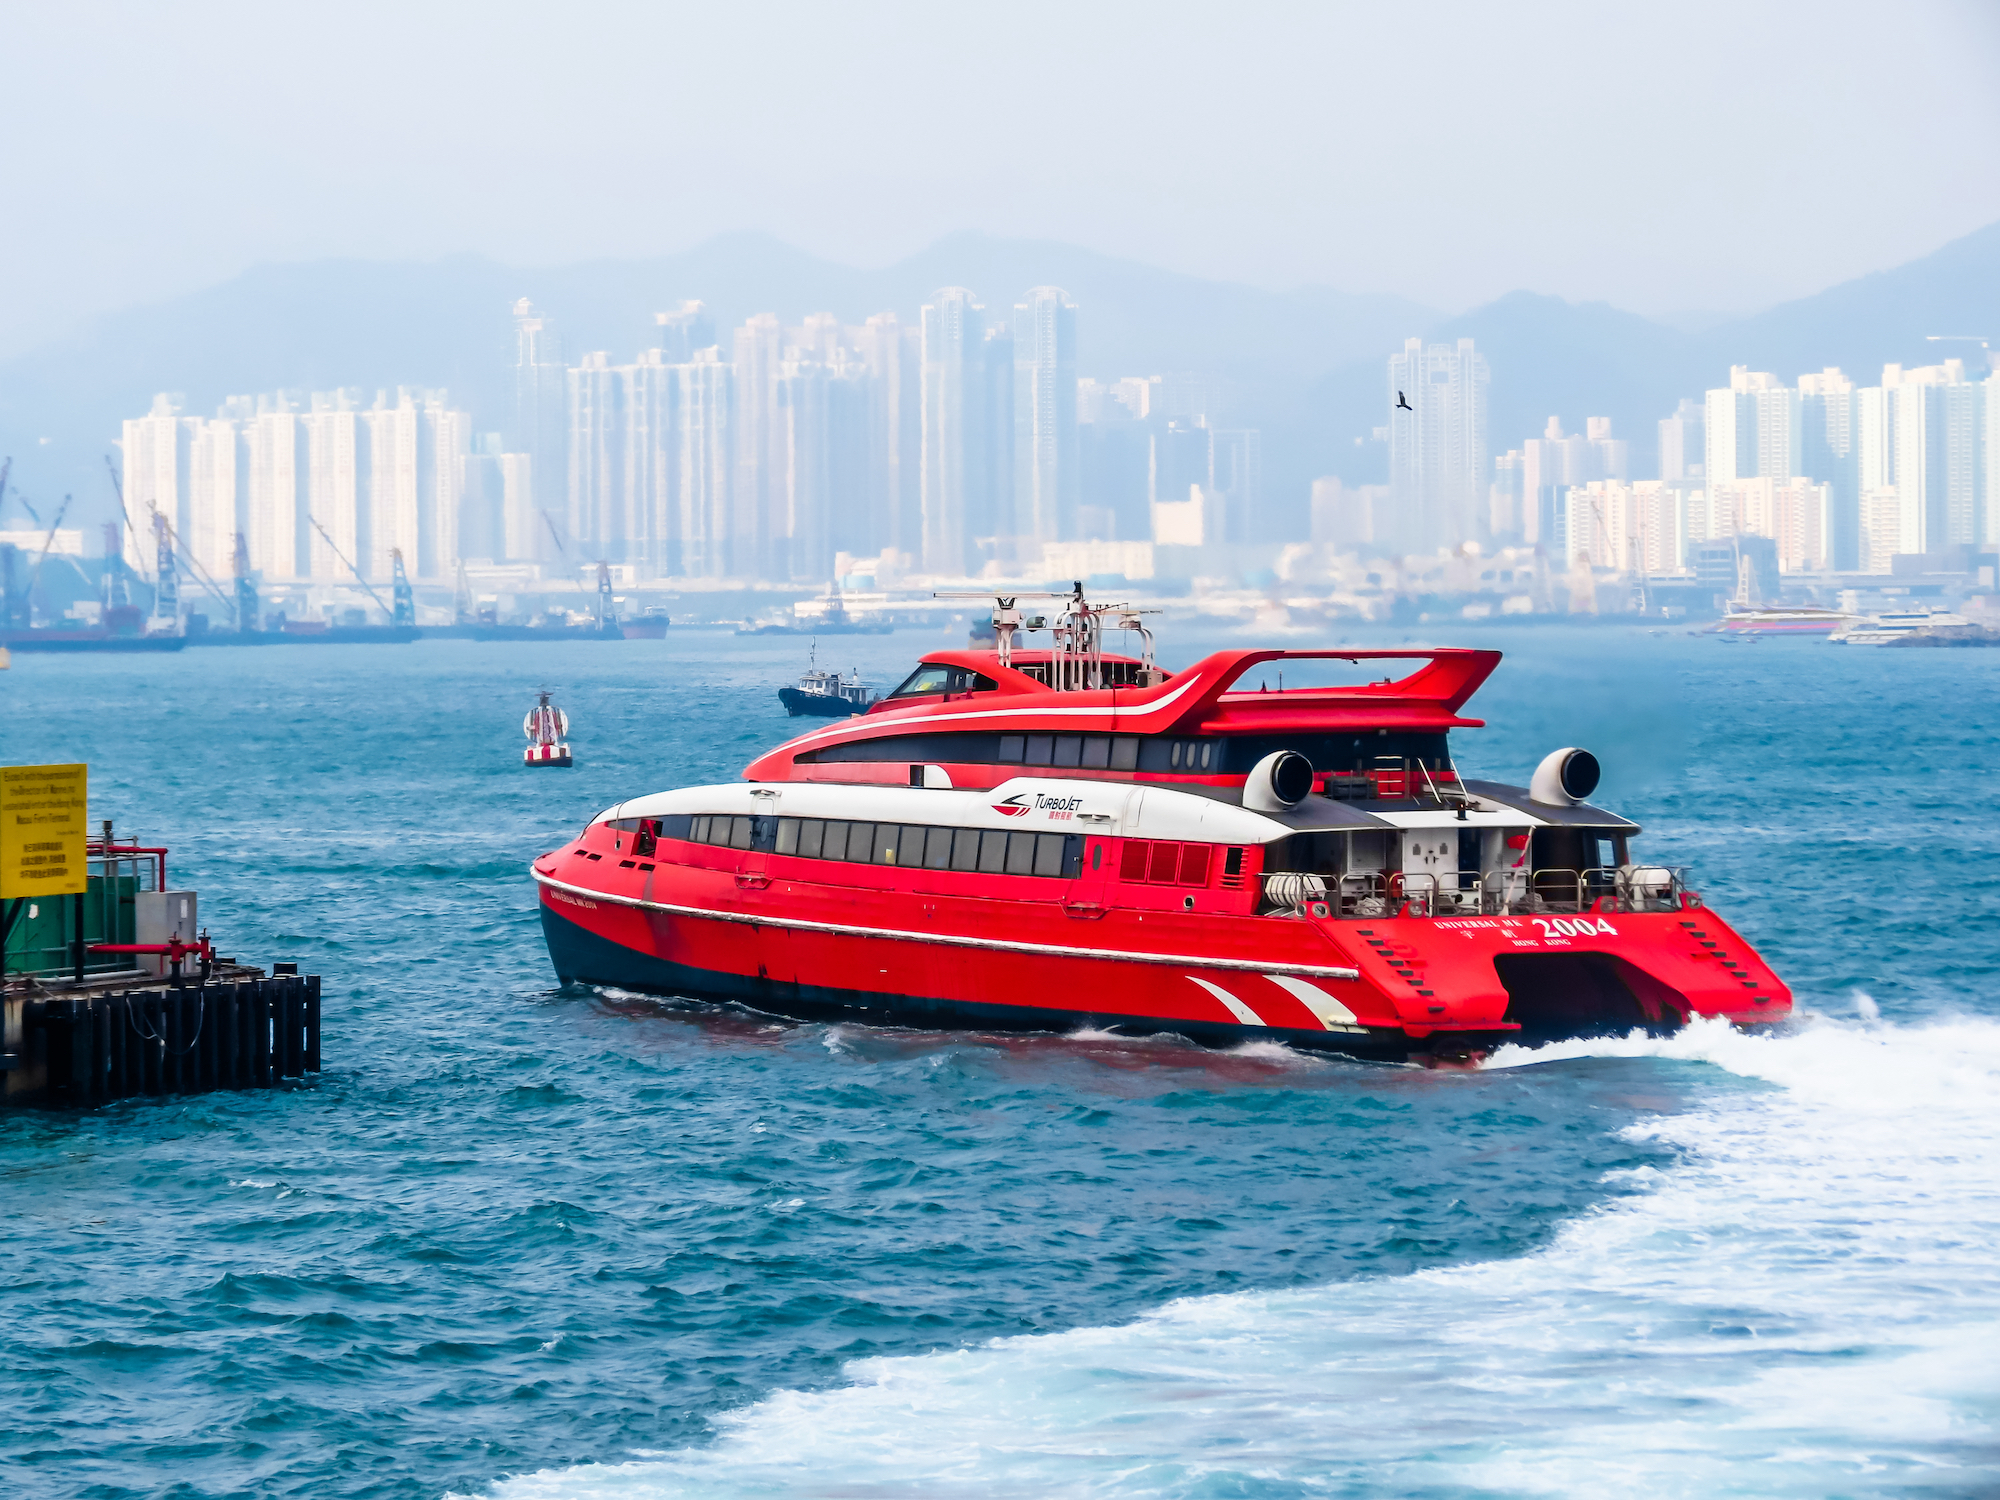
(825, 695)
(546, 727)
(1061, 838)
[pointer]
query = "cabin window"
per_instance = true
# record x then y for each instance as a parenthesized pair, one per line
(923, 681)
(834, 845)
(788, 836)
(1194, 864)
(1132, 860)
(1013, 749)
(812, 836)
(1041, 749)
(932, 679)
(1097, 752)
(1020, 854)
(992, 851)
(1125, 753)
(937, 849)
(1165, 863)
(1069, 750)
(1048, 854)
(739, 833)
(965, 848)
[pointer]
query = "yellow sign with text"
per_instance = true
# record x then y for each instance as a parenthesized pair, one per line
(44, 818)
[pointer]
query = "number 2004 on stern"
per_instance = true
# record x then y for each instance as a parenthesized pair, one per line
(1060, 838)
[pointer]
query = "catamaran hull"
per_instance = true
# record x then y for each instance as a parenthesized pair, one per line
(582, 956)
(1490, 982)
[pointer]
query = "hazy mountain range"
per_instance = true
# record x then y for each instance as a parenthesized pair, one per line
(1305, 366)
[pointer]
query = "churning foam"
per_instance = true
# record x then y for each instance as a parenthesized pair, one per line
(1809, 1304)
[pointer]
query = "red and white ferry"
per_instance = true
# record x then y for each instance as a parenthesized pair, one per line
(1068, 838)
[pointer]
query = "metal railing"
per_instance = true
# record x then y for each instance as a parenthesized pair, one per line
(1385, 893)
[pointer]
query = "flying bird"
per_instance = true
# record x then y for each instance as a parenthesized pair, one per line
(1403, 403)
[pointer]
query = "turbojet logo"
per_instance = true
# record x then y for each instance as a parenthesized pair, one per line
(1018, 806)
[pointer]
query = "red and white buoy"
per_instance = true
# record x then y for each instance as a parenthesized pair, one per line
(545, 726)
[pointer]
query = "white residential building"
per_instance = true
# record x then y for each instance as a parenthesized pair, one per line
(1047, 473)
(1438, 455)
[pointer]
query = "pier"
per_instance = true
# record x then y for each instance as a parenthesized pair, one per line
(70, 1044)
(108, 989)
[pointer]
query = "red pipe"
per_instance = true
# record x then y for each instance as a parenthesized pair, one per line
(96, 850)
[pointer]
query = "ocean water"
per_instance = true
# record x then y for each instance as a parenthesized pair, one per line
(517, 1241)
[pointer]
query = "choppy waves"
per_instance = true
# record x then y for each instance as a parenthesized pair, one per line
(1807, 1304)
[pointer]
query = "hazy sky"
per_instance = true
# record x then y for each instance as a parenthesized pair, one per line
(1666, 157)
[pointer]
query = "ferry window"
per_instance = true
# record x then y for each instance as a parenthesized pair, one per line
(937, 849)
(1132, 860)
(1096, 856)
(861, 843)
(812, 834)
(1097, 751)
(788, 836)
(1049, 854)
(1125, 753)
(1165, 864)
(1020, 854)
(1069, 749)
(1194, 864)
(965, 849)
(1174, 756)
(698, 830)
(1207, 751)
(1013, 749)
(1041, 749)
(992, 852)
(833, 843)
(927, 679)
(739, 833)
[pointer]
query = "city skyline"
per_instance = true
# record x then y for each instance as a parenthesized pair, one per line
(966, 446)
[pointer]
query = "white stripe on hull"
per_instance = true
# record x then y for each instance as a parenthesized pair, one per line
(953, 940)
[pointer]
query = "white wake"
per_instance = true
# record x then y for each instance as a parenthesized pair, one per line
(1808, 1305)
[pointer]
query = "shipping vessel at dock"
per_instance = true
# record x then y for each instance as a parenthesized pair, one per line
(1067, 837)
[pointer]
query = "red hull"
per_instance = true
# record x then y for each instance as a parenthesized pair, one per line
(736, 926)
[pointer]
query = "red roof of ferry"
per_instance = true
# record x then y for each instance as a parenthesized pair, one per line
(1198, 700)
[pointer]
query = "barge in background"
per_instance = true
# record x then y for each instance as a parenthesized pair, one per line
(1067, 838)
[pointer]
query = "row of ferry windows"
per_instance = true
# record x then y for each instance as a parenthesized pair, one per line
(1111, 752)
(990, 851)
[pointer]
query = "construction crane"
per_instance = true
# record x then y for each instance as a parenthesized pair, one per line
(365, 584)
(167, 585)
(130, 530)
(35, 577)
(6, 468)
(405, 612)
(246, 586)
(200, 574)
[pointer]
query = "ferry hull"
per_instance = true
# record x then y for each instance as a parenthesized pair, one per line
(1427, 993)
(582, 956)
